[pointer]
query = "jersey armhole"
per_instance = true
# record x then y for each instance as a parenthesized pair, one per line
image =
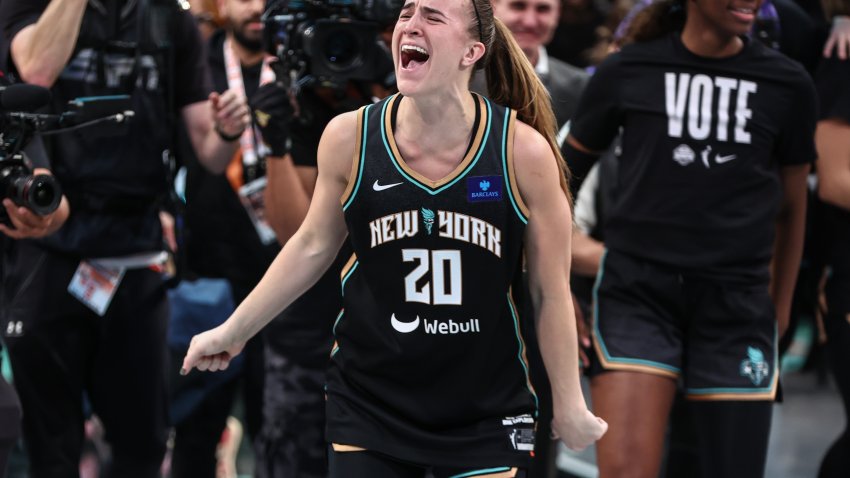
(508, 166)
(357, 160)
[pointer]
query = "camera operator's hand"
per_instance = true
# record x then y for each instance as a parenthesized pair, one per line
(273, 112)
(28, 225)
(230, 113)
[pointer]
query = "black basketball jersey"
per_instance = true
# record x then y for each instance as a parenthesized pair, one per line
(429, 364)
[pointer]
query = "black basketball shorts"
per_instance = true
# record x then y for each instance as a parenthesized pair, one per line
(718, 338)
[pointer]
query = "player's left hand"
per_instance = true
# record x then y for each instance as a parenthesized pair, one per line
(578, 429)
(230, 112)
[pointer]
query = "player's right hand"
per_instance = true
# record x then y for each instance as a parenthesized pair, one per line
(211, 350)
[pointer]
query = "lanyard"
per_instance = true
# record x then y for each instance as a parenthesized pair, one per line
(251, 136)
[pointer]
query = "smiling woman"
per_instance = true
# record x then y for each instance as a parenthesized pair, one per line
(441, 192)
(705, 237)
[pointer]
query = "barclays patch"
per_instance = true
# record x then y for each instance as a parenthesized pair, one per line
(484, 188)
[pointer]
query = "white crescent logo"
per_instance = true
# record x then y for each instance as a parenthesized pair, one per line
(404, 327)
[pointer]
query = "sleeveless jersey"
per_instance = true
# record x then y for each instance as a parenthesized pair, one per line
(429, 364)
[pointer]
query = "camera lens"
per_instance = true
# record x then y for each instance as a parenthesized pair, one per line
(341, 50)
(42, 194)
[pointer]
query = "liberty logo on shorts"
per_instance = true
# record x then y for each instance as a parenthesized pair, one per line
(754, 366)
(428, 219)
(484, 188)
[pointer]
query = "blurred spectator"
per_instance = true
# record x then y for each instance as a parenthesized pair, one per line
(533, 24)
(90, 298)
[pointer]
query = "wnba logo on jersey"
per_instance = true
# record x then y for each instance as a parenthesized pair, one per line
(708, 102)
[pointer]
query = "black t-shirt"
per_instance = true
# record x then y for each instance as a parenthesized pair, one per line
(703, 140)
(833, 83)
(114, 177)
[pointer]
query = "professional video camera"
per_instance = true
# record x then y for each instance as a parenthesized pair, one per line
(40, 192)
(328, 42)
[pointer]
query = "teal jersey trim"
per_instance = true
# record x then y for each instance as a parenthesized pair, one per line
(485, 471)
(338, 318)
(505, 167)
(460, 176)
(336, 344)
(520, 352)
(348, 276)
(363, 136)
(608, 357)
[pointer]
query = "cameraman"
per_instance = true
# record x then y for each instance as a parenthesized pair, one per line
(89, 298)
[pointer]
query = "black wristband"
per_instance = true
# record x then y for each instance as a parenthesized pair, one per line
(226, 137)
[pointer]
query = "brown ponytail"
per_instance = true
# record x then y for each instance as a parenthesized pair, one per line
(512, 82)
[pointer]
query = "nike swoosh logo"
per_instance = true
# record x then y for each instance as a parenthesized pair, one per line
(379, 187)
(404, 327)
(724, 159)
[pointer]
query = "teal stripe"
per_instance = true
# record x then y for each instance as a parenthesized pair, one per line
(460, 176)
(608, 357)
(520, 352)
(347, 276)
(362, 158)
(484, 471)
(745, 391)
(338, 318)
(333, 352)
(505, 167)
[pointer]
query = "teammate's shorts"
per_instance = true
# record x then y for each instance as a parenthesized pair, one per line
(718, 338)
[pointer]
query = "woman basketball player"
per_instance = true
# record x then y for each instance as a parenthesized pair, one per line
(705, 237)
(445, 192)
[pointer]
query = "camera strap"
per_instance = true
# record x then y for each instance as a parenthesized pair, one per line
(251, 141)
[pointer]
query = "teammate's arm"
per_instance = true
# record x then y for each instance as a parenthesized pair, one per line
(301, 262)
(41, 50)
(788, 249)
(547, 247)
(833, 143)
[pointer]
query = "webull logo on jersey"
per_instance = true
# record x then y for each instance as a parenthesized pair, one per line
(436, 327)
(484, 188)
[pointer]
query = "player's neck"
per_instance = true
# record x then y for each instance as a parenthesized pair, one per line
(440, 120)
(708, 42)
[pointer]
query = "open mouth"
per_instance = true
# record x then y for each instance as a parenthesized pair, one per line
(413, 56)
